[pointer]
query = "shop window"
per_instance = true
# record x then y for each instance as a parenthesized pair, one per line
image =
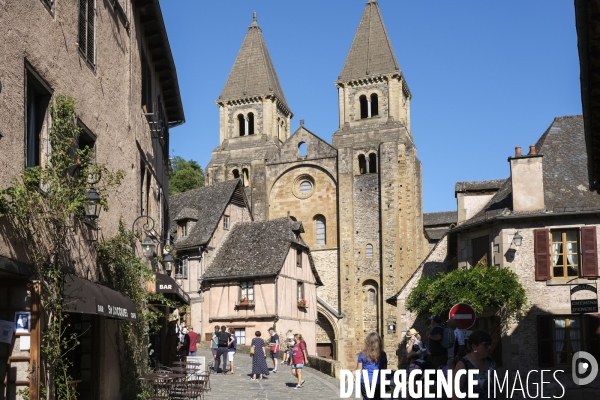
(362, 164)
(560, 336)
(369, 251)
(240, 334)
(247, 290)
(250, 124)
(320, 229)
(87, 22)
(372, 163)
(374, 105)
(364, 107)
(38, 98)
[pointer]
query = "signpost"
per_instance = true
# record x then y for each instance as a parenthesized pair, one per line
(463, 314)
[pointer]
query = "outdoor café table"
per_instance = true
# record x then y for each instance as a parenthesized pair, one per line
(161, 382)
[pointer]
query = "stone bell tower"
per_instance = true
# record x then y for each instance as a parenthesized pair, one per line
(379, 187)
(254, 121)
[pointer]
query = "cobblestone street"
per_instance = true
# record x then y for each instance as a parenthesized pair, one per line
(278, 386)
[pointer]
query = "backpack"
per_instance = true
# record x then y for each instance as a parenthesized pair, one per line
(448, 338)
(223, 339)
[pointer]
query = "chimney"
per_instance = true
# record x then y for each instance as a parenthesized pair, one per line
(527, 178)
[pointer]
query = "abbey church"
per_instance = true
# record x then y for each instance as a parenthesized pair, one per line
(358, 198)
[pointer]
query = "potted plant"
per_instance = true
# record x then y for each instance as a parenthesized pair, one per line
(244, 301)
(302, 302)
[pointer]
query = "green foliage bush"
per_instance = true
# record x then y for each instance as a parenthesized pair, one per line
(480, 287)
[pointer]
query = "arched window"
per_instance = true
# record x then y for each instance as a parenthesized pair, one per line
(250, 124)
(364, 107)
(369, 251)
(236, 174)
(362, 164)
(374, 105)
(246, 177)
(302, 149)
(242, 124)
(372, 163)
(372, 297)
(320, 229)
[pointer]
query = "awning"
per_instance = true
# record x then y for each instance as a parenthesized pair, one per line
(85, 297)
(167, 285)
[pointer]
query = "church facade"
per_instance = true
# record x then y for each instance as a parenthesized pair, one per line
(359, 198)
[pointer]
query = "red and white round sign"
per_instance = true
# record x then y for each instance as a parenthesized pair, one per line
(463, 314)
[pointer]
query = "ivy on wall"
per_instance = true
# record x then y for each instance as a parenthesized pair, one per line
(480, 287)
(44, 214)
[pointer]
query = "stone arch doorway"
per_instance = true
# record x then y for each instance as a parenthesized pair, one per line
(326, 338)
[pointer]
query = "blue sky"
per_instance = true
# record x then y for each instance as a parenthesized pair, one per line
(485, 76)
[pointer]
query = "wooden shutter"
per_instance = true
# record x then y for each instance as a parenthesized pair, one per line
(592, 334)
(541, 246)
(545, 340)
(589, 252)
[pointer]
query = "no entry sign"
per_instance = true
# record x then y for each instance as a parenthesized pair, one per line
(463, 314)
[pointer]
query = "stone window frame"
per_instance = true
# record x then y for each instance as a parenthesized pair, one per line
(368, 95)
(249, 127)
(296, 186)
(565, 255)
(320, 218)
(364, 159)
(368, 247)
(226, 223)
(38, 136)
(240, 334)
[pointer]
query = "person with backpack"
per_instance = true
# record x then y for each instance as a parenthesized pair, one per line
(439, 353)
(222, 348)
(417, 362)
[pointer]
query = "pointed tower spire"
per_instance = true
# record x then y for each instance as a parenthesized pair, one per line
(371, 52)
(253, 73)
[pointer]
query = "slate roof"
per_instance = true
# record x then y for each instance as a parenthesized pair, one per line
(436, 233)
(187, 213)
(371, 52)
(257, 249)
(209, 203)
(440, 218)
(478, 186)
(253, 73)
(566, 185)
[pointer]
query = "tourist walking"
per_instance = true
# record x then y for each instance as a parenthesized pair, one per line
(480, 347)
(439, 354)
(299, 358)
(232, 349)
(372, 358)
(191, 338)
(289, 345)
(274, 347)
(259, 358)
(222, 348)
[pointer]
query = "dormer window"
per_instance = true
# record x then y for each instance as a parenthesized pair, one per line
(184, 227)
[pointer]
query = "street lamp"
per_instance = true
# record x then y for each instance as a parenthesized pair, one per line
(147, 244)
(168, 263)
(517, 239)
(92, 205)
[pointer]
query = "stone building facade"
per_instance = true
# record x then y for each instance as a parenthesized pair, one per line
(548, 203)
(359, 199)
(114, 59)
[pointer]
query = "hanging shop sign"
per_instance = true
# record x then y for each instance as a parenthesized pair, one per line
(586, 305)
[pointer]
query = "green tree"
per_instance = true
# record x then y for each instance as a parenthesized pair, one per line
(480, 287)
(186, 175)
